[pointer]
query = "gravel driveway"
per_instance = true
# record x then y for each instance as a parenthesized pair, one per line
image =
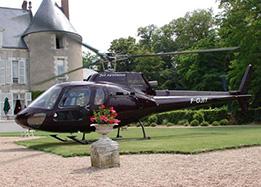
(23, 167)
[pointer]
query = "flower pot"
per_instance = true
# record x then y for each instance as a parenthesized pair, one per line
(103, 129)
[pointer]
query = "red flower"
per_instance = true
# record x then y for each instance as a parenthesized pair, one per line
(111, 121)
(114, 114)
(116, 121)
(102, 107)
(93, 119)
(104, 118)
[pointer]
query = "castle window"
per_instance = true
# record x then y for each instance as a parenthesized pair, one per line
(61, 67)
(15, 71)
(59, 42)
(18, 72)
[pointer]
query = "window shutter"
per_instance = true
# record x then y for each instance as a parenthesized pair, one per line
(8, 72)
(2, 104)
(2, 72)
(1, 37)
(21, 72)
(28, 98)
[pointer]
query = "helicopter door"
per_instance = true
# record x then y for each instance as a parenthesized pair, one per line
(73, 107)
(125, 105)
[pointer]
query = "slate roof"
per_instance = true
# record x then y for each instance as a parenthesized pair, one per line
(49, 17)
(14, 22)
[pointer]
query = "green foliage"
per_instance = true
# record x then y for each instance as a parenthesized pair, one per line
(183, 122)
(194, 123)
(240, 25)
(169, 124)
(204, 124)
(35, 94)
(88, 60)
(248, 116)
(215, 123)
(165, 121)
(153, 119)
(224, 122)
(146, 124)
(208, 115)
(153, 124)
(199, 115)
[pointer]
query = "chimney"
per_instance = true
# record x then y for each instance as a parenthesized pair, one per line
(30, 5)
(65, 8)
(24, 5)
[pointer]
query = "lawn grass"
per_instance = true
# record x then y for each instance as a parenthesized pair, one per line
(163, 140)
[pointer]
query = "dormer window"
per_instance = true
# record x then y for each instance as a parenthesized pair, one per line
(59, 43)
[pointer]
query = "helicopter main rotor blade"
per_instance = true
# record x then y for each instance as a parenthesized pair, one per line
(181, 52)
(57, 76)
(102, 55)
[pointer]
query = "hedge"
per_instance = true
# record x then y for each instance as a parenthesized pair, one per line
(201, 115)
(179, 117)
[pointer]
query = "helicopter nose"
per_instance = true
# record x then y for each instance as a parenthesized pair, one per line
(30, 120)
(21, 119)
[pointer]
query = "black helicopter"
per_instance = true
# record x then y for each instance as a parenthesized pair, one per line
(67, 107)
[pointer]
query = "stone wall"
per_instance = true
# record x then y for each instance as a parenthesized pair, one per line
(43, 53)
(7, 55)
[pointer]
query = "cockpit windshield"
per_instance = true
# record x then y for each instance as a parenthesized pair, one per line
(77, 96)
(47, 99)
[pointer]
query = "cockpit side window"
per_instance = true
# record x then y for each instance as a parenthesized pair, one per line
(48, 99)
(99, 97)
(77, 96)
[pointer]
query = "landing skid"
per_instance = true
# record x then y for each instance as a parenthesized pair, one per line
(143, 131)
(82, 141)
(58, 138)
(118, 137)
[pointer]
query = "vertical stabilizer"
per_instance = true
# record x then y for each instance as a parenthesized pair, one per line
(245, 80)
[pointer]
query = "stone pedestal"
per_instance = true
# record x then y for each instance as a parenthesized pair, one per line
(105, 153)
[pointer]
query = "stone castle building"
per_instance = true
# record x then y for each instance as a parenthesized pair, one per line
(34, 49)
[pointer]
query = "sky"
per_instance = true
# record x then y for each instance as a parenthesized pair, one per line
(101, 21)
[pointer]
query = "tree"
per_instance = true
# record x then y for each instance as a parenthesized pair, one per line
(89, 59)
(197, 30)
(240, 25)
(124, 46)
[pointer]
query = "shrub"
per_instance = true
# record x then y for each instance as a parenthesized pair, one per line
(199, 115)
(146, 124)
(153, 124)
(183, 122)
(186, 124)
(194, 122)
(215, 114)
(152, 119)
(223, 122)
(204, 123)
(169, 124)
(215, 123)
(209, 115)
(165, 122)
